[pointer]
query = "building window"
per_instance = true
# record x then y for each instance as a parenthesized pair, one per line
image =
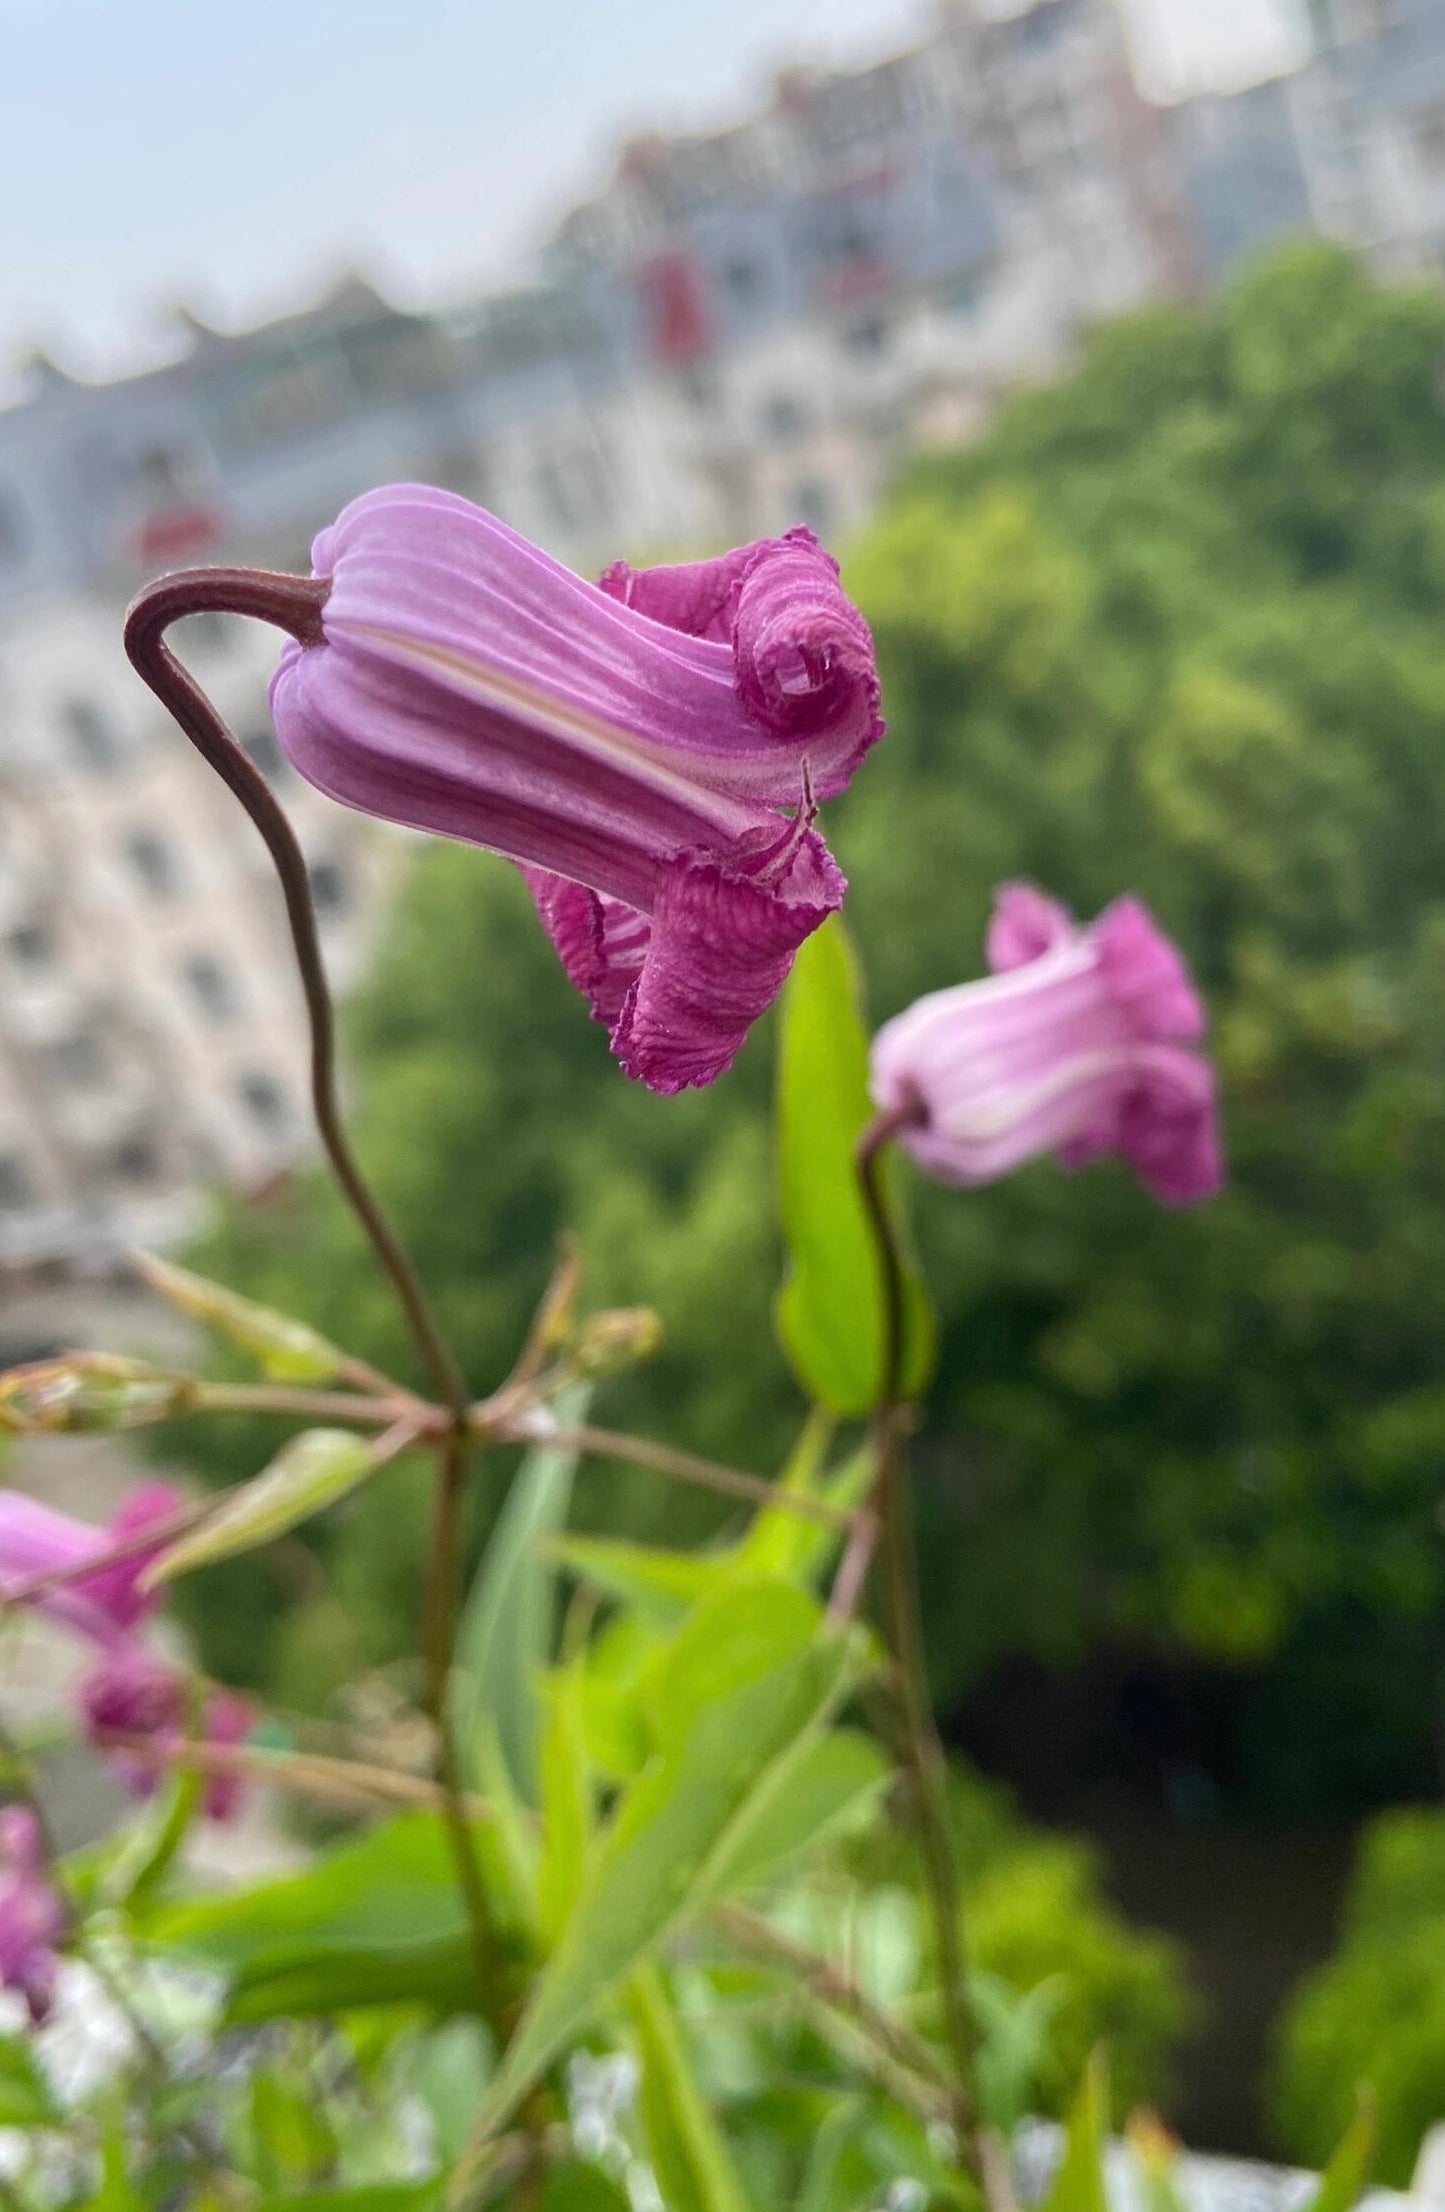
(743, 280)
(1371, 18)
(209, 632)
(80, 1060)
(12, 531)
(812, 503)
(16, 1189)
(212, 985)
(869, 337)
(330, 888)
(30, 945)
(260, 747)
(265, 1101)
(154, 861)
(784, 419)
(93, 740)
(1429, 135)
(137, 1161)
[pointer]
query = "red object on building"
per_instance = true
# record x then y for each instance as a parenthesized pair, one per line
(174, 531)
(679, 326)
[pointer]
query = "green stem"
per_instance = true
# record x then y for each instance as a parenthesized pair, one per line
(439, 1635)
(922, 1750)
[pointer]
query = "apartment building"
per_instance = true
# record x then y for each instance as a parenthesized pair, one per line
(740, 330)
(152, 1037)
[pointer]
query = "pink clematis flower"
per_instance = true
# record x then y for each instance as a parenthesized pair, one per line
(1079, 1044)
(105, 1605)
(130, 1690)
(650, 749)
(133, 1692)
(32, 1918)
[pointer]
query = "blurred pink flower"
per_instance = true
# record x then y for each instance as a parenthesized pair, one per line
(36, 1540)
(133, 1692)
(1079, 1044)
(32, 1918)
(631, 744)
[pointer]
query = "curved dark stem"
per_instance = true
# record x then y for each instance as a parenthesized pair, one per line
(922, 1750)
(294, 604)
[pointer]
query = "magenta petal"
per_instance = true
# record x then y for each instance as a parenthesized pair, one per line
(32, 1917)
(723, 940)
(229, 1720)
(695, 597)
(600, 942)
(1024, 925)
(805, 662)
(1145, 976)
(1168, 1129)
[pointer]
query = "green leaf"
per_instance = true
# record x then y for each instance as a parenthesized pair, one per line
(1343, 2181)
(834, 1776)
(146, 1855)
(449, 2073)
(381, 2196)
(662, 1585)
(789, 1544)
(311, 1472)
(293, 2142)
(830, 1310)
(378, 1920)
(1078, 2186)
(575, 2186)
(742, 1694)
(685, 2146)
(286, 1350)
(565, 1772)
(505, 1638)
(25, 2100)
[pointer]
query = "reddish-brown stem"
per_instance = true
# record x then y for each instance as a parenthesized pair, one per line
(702, 1474)
(293, 604)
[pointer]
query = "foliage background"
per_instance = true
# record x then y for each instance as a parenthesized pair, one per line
(1174, 625)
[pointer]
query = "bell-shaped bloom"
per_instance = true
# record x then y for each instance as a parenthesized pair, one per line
(1083, 1041)
(650, 749)
(105, 1605)
(32, 1917)
(134, 1693)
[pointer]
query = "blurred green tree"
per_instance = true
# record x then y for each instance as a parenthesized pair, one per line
(1174, 625)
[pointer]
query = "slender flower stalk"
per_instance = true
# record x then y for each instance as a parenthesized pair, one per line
(922, 1751)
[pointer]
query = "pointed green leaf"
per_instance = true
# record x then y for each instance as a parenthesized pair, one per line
(830, 1310)
(505, 1638)
(1078, 2186)
(377, 1920)
(309, 1473)
(685, 2146)
(832, 1779)
(663, 1585)
(286, 1350)
(743, 1693)
(565, 1774)
(790, 1544)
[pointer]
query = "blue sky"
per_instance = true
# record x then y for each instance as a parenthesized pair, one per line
(236, 155)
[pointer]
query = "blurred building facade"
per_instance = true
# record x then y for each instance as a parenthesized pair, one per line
(740, 331)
